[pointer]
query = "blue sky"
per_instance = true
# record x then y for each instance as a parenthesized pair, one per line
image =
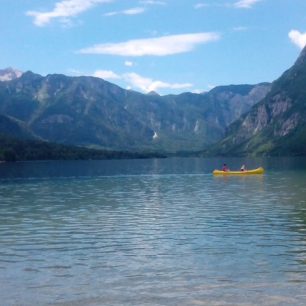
(169, 46)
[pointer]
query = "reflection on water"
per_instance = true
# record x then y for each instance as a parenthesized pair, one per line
(152, 232)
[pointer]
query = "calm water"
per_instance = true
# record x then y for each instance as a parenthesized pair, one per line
(152, 232)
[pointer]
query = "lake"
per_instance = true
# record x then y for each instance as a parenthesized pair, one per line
(152, 232)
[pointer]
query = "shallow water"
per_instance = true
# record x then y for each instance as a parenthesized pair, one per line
(152, 232)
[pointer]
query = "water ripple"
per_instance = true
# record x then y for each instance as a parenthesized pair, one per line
(153, 239)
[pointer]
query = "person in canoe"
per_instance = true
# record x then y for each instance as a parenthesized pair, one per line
(225, 168)
(243, 168)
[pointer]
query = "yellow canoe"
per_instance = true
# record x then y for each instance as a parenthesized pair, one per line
(259, 170)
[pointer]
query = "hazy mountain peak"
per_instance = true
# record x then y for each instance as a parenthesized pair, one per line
(9, 74)
(153, 93)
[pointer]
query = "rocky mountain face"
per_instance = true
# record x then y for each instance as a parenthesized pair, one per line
(277, 124)
(88, 111)
(9, 74)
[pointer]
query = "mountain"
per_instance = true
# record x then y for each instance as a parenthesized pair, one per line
(92, 112)
(197, 120)
(9, 74)
(277, 124)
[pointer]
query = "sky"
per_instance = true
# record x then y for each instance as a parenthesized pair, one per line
(167, 46)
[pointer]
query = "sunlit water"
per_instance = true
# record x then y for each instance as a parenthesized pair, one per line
(152, 232)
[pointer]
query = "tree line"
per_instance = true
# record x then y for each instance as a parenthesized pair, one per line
(12, 149)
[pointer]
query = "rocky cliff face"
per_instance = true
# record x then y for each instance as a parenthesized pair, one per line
(89, 111)
(276, 125)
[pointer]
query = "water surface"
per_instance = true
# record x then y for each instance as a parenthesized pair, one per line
(152, 232)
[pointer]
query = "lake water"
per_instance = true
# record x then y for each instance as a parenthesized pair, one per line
(152, 232)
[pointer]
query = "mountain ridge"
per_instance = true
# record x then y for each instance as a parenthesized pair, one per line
(276, 125)
(92, 112)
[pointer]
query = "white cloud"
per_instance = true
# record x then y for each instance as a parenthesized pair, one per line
(136, 81)
(245, 3)
(298, 38)
(197, 91)
(146, 84)
(106, 74)
(132, 11)
(241, 4)
(160, 46)
(128, 63)
(64, 9)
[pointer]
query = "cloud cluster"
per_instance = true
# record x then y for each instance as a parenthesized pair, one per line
(159, 46)
(298, 38)
(137, 81)
(167, 45)
(64, 9)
